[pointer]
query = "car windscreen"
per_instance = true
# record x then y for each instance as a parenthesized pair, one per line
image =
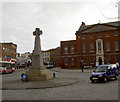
(101, 69)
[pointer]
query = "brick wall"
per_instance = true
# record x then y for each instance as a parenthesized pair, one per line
(91, 34)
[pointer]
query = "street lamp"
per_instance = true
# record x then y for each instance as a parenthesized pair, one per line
(82, 64)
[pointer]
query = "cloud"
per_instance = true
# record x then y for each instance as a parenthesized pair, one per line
(58, 21)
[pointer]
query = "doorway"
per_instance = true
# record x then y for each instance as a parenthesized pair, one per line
(100, 61)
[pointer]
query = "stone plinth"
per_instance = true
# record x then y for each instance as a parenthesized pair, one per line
(38, 75)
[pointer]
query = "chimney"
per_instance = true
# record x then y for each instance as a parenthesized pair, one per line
(83, 24)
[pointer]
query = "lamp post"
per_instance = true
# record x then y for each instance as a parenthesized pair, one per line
(82, 64)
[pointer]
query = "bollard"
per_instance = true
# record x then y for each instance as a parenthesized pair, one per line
(24, 77)
(54, 75)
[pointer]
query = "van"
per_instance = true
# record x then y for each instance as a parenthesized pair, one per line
(104, 72)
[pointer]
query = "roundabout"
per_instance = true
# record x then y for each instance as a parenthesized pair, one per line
(17, 84)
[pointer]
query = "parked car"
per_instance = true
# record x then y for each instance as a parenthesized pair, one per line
(104, 72)
(48, 65)
(87, 67)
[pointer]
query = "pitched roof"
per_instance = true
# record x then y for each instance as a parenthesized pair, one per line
(104, 26)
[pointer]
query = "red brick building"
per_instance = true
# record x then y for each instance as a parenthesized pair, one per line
(94, 45)
(68, 53)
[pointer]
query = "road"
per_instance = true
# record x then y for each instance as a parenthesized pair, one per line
(84, 90)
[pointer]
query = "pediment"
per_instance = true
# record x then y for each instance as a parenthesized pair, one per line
(99, 28)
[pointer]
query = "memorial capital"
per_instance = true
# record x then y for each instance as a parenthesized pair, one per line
(37, 32)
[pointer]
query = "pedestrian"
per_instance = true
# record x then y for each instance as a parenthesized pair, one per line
(62, 65)
(82, 68)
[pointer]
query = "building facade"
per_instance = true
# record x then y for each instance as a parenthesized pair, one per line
(68, 53)
(8, 51)
(52, 55)
(46, 56)
(94, 45)
(55, 56)
(25, 58)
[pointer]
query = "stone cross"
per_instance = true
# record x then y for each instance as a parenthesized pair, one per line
(37, 32)
(37, 59)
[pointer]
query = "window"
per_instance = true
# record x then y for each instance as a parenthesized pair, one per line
(116, 34)
(45, 54)
(66, 49)
(72, 48)
(83, 48)
(66, 61)
(117, 59)
(107, 46)
(43, 59)
(72, 61)
(108, 60)
(91, 36)
(3, 48)
(83, 36)
(99, 46)
(91, 47)
(99, 35)
(107, 35)
(48, 54)
(78, 35)
(116, 45)
(92, 60)
(6, 49)
(84, 60)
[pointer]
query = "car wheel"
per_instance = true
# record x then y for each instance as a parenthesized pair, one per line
(92, 81)
(105, 80)
(4, 72)
(115, 77)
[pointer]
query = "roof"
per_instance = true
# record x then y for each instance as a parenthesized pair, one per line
(51, 49)
(69, 42)
(104, 27)
(9, 43)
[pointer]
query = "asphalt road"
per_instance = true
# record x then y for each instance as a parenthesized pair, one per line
(84, 90)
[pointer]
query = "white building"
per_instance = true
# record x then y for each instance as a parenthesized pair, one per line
(46, 56)
(25, 58)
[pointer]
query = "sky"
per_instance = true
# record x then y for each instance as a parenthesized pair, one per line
(58, 19)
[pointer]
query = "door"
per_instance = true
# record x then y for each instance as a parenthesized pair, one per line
(100, 61)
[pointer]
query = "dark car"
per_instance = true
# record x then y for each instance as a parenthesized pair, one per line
(48, 65)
